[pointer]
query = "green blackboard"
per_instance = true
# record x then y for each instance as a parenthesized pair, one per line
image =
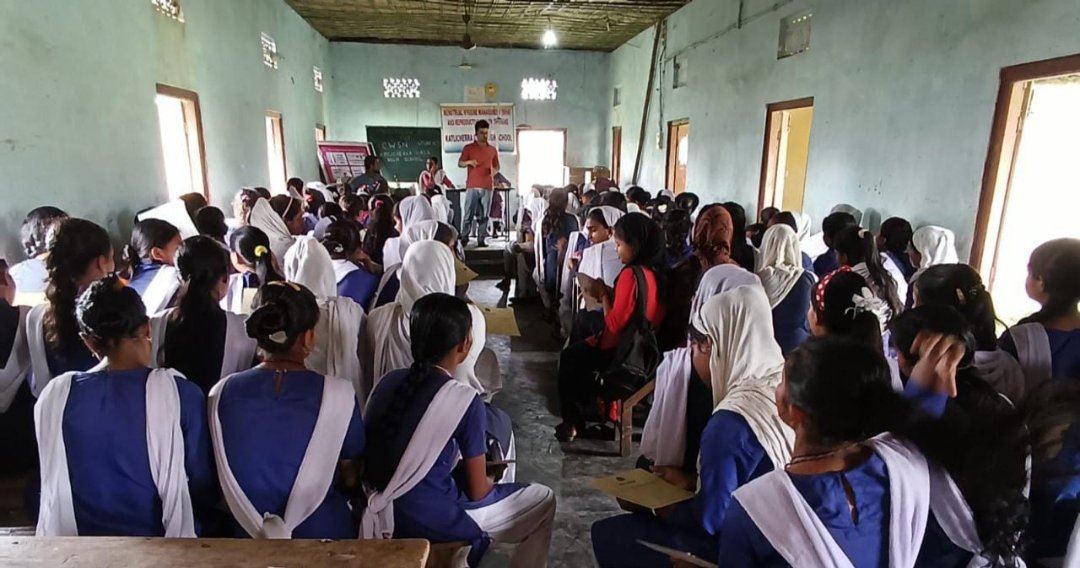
(403, 150)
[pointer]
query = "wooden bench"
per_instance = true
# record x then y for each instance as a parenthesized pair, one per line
(626, 417)
(114, 552)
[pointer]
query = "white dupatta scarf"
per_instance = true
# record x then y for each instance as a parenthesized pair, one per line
(161, 290)
(18, 362)
(341, 320)
(164, 444)
(239, 351)
(420, 231)
(936, 245)
(779, 264)
(35, 341)
(431, 436)
(1003, 372)
(412, 209)
(746, 365)
(428, 268)
(264, 218)
(1033, 352)
(234, 295)
(316, 470)
(663, 439)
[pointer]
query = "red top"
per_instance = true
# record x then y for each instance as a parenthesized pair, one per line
(622, 310)
(487, 158)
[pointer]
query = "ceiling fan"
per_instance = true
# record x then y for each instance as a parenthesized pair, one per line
(467, 42)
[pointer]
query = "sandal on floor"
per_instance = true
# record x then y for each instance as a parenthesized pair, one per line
(565, 432)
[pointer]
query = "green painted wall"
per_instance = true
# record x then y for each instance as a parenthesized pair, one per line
(78, 123)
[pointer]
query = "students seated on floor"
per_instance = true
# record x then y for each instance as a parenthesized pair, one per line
(79, 253)
(640, 246)
(124, 446)
(1047, 343)
(341, 320)
(30, 275)
(420, 421)
(151, 260)
(894, 241)
(198, 338)
(288, 441)
(830, 226)
(682, 402)
(16, 400)
(734, 350)
(868, 485)
(787, 284)
(960, 287)
(857, 249)
(352, 268)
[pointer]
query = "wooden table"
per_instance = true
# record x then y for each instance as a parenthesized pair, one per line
(111, 552)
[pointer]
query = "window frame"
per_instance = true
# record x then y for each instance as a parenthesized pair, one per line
(192, 98)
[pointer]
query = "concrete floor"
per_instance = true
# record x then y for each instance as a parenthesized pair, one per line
(529, 395)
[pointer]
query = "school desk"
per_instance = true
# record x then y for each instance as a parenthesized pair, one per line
(111, 552)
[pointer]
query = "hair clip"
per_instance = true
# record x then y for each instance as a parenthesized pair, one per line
(260, 251)
(279, 337)
(960, 297)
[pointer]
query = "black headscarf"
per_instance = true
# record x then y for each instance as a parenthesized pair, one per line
(644, 236)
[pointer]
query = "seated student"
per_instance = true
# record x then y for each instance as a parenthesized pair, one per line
(79, 253)
(640, 246)
(341, 320)
(30, 275)
(744, 438)
(614, 199)
(741, 252)
(519, 259)
(16, 400)
(313, 200)
(637, 199)
(868, 485)
(210, 221)
(354, 279)
(827, 263)
(599, 260)
(330, 210)
(932, 245)
(151, 262)
(267, 421)
(266, 219)
(787, 284)
(291, 211)
(688, 201)
(960, 287)
(711, 242)
(124, 447)
(408, 212)
(788, 218)
(390, 282)
(380, 228)
(253, 263)
(416, 491)
(354, 207)
(1052, 412)
(1047, 343)
(857, 249)
(555, 228)
(677, 227)
(682, 402)
(198, 338)
(894, 241)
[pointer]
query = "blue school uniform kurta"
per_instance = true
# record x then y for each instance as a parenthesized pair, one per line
(435, 509)
(389, 292)
(790, 324)
(807, 263)
(826, 264)
(561, 229)
(1055, 499)
(266, 435)
(143, 274)
(360, 285)
(1064, 350)
(865, 543)
(731, 457)
(104, 432)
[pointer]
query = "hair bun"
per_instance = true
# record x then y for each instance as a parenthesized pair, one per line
(267, 322)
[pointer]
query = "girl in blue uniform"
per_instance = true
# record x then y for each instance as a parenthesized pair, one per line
(425, 466)
(857, 249)
(354, 279)
(80, 252)
(869, 483)
(788, 285)
(199, 338)
(1047, 343)
(30, 275)
(269, 421)
(151, 256)
(254, 263)
(124, 447)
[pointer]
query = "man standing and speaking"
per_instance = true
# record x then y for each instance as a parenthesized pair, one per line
(482, 162)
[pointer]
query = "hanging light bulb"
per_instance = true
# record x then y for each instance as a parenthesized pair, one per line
(550, 39)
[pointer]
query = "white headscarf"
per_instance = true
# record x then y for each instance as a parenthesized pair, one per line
(264, 218)
(175, 213)
(308, 263)
(804, 223)
(719, 279)
(779, 264)
(611, 215)
(746, 365)
(420, 231)
(414, 209)
(936, 245)
(850, 210)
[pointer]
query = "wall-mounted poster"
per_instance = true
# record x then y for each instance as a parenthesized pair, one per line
(342, 159)
(459, 121)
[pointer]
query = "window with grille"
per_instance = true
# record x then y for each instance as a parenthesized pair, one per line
(401, 88)
(794, 35)
(318, 79)
(170, 8)
(537, 89)
(269, 52)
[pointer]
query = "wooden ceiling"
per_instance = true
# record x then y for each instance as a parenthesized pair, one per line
(597, 25)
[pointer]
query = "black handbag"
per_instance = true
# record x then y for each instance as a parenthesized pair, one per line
(637, 355)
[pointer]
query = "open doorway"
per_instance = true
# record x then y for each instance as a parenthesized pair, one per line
(1031, 171)
(678, 154)
(541, 158)
(786, 155)
(180, 122)
(275, 151)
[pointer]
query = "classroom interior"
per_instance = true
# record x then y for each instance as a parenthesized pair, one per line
(954, 113)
